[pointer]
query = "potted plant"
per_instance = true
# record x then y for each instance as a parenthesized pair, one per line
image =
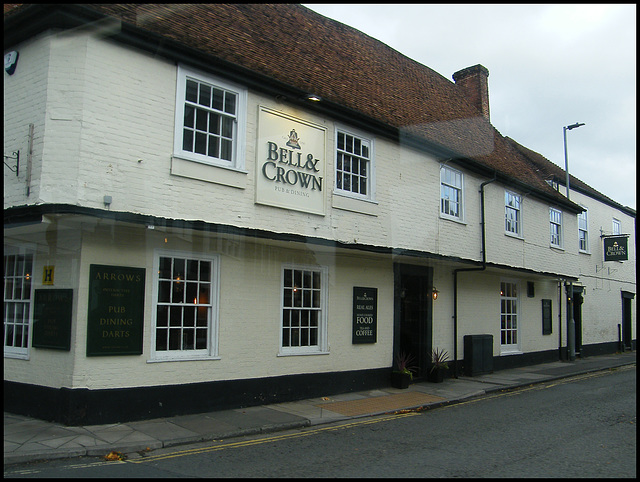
(439, 365)
(402, 376)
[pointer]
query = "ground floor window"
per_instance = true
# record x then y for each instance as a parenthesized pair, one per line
(18, 272)
(509, 316)
(185, 322)
(303, 326)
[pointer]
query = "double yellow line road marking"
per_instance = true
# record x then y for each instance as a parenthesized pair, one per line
(264, 440)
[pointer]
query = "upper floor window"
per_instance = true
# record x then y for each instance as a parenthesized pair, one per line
(185, 317)
(512, 213)
(354, 165)
(555, 225)
(583, 232)
(209, 120)
(616, 226)
(18, 272)
(304, 317)
(451, 182)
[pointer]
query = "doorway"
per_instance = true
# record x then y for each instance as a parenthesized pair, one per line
(627, 299)
(413, 315)
(578, 299)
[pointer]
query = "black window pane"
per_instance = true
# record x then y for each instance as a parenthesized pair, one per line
(187, 140)
(201, 143)
(227, 127)
(205, 271)
(214, 147)
(161, 339)
(205, 95)
(162, 317)
(201, 339)
(225, 151)
(214, 123)
(192, 91)
(230, 103)
(189, 116)
(201, 120)
(218, 99)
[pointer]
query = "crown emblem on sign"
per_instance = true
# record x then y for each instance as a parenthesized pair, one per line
(293, 139)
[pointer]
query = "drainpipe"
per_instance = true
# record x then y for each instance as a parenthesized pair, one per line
(459, 270)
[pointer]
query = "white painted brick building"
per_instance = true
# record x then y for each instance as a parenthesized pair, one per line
(280, 243)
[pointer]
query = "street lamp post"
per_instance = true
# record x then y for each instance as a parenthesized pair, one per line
(571, 323)
(566, 158)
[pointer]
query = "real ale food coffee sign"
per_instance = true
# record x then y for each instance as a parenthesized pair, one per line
(290, 167)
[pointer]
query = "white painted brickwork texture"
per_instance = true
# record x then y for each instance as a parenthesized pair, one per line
(109, 130)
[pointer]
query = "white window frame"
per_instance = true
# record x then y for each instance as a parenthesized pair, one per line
(583, 227)
(509, 207)
(555, 221)
(211, 352)
(616, 226)
(370, 160)
(237, 161)
(322, 338)
(444, 200)
(26, 281)
(509, 312)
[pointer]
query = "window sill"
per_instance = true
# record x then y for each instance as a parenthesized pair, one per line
(356, 205)
(302, 353)
(505, 351)
(225, 175)
(514, 236)
(17, 356)
(187, 358)
(557, 248)
(451, 218)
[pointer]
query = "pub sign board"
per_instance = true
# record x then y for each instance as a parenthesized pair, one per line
(290, 167)
(52, 319)
(365, 315)
(615, 248)
(116, 310)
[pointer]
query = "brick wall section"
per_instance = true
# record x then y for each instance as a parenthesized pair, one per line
(475, 84)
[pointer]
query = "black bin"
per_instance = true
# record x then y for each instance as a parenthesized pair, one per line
(478, 354)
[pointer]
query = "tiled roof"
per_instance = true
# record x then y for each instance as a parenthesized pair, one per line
(549, 170)
(300, 48)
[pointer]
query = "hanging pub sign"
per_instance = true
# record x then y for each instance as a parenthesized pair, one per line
(116, 310)
(52, 319)
(365, 315)
(290, 167)
(615, 248)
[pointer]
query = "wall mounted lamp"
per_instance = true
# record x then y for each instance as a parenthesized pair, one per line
(435, 293)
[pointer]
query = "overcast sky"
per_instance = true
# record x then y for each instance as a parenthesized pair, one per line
(549, 66)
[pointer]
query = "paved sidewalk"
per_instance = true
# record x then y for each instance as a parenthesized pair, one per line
(27, 439)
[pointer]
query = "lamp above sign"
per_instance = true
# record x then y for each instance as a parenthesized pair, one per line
(615, 248)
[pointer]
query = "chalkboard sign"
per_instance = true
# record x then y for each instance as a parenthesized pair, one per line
(365, 315)
(52, 319)
(116, 310)
(546, 317)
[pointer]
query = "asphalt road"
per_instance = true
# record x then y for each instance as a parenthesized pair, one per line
(583, 426)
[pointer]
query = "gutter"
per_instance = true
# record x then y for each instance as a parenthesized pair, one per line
(460, 270)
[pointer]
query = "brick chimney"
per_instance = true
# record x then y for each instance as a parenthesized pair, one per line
(474, 82)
